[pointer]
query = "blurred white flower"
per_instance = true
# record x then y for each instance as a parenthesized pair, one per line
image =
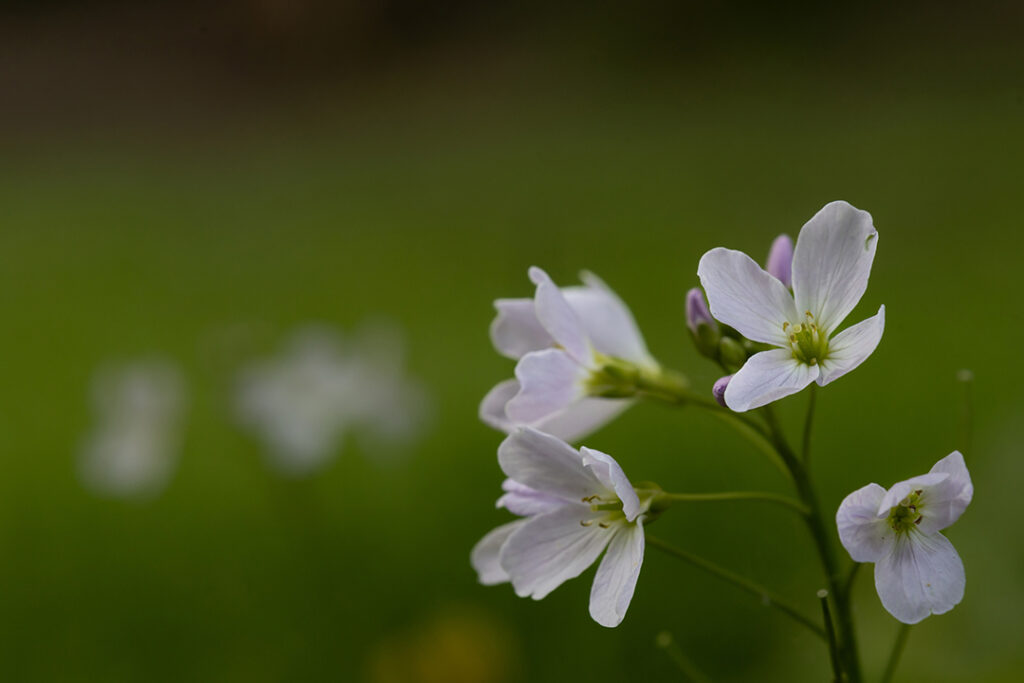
(304, 401)
(575, 504)
(830, 269)
(135, 443)
(917, 570)
(561, 338)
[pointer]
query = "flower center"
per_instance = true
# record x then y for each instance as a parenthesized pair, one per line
(611, 505)
(907, 515)
(808, 343)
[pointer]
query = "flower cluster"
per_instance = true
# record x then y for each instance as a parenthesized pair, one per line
(581, 361)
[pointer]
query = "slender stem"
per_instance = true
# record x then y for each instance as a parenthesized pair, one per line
(769, 597)
(753, 433)
(808, 424)
(830, 631)
(733, 495)
(897, 650)
(816, 526)
(666, 642)
(850, 578)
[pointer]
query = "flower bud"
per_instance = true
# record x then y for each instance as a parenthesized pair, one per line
(780, 260)
(731, 353)
(718, 391)
(703, 327)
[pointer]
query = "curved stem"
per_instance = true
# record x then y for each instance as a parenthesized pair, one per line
(733, 495)
(753, 433)
(808, 423)
(830, 631)
(667, 643)
(742, 582)
(897, 650)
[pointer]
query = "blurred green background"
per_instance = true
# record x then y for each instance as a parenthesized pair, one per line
(175, 172)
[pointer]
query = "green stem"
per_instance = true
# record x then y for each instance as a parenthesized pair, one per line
(667, 643)
(823, 546)
(808, 423)
(741, 582)
(753, 433)
(830, 631)
(851, 577)
(897, 651)
(732, 495)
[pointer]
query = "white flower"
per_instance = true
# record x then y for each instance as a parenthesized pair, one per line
(134, 447)
(831, 265)
(561, 338)
(917, 570)
(575, 504)
(303, 402)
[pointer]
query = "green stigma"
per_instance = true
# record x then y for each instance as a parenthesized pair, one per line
(808, 343)
(906, 515)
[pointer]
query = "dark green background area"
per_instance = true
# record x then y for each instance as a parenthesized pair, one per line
(422, 196)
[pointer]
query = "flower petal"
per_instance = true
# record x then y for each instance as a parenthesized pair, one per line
(745, 297)
(516, 330)
(897, 492)
(549, 381)
(548, 465)
(611, 475)
(558, 317)
(832, 262)
(946, 501)
(492, 408)
(551, 548)
(583, 417)
(866, 537)
(525, 501)
(484, 556)
(766, 377)
(780, 260)
(616, 576)
(922, 575)
(851, 347)
(607, 320)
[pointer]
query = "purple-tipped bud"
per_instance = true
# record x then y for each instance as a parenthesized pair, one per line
(718, 391)
(697, 312)
(780, 260)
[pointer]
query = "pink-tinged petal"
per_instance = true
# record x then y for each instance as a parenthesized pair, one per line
(745, 297)
(524, 501)
(780, 260)
(516, 330)
(583, 417)
(607, 320)
(552, 548)
(766, 377)
(617, 574)
(492, 408)
(944, 502)
(484, 556)
(866, 537)
(923, 575)
(548, 465)
(610, 474)
(851, 347)
(897, 492)
(549, 381)
(558, 317)
(832, 263)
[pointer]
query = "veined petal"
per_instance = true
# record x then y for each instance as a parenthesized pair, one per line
(548, 465)
(524, 501)
(583, 417)
(945, 501)
(766, 377)
(745, 297)
(851, 347)
(866, 537)
(558, 317)
(832, 262)
(607, 320)
(616, 576)
(492, 408)
(516, 330)
(552, 548)
(923, 575)
(484, 556)
(549, 381)
(611, 475)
